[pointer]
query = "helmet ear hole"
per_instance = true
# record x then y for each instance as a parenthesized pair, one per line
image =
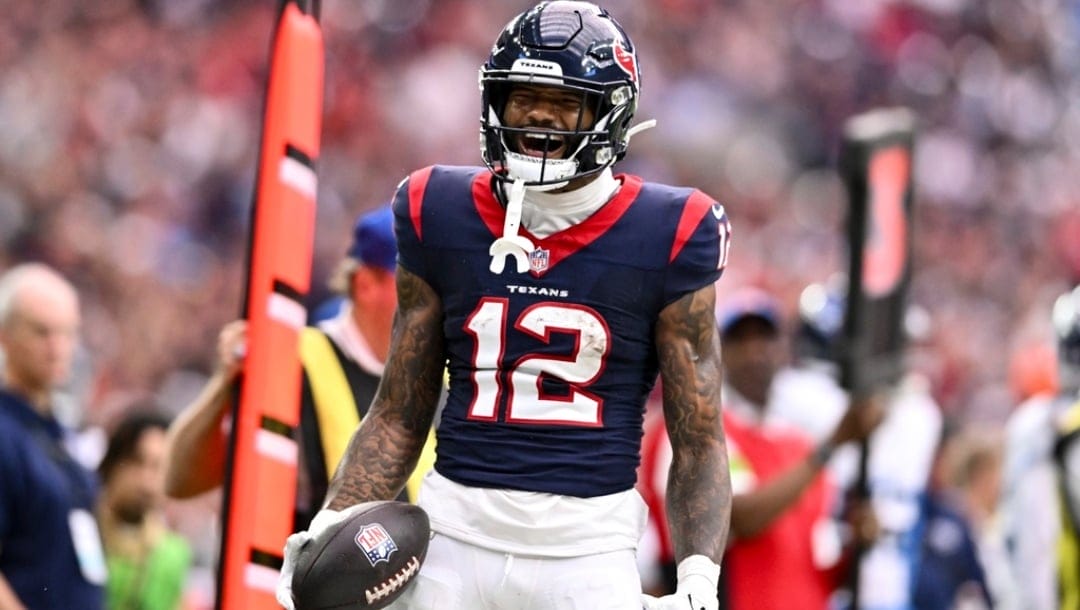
(620, 95)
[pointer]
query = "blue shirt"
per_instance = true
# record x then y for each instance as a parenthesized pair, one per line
(550, 369)
(950, 558)
(40, 484)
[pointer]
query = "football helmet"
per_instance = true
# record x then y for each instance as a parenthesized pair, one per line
(1066, 320)
(822, 308)
(577, 46)
(823, 314)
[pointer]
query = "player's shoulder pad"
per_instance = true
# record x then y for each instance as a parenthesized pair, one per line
(703, 225)
(410, 193)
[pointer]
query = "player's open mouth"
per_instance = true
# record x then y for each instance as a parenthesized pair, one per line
(548, 145)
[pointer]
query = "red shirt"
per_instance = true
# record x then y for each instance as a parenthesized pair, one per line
(775, 569)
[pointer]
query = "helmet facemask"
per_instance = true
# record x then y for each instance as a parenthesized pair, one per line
(578, 47)
(586, 149)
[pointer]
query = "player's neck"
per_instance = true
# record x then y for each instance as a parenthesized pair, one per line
(590, 195)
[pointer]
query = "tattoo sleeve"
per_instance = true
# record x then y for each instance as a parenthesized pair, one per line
(385, 447)
(699, 482)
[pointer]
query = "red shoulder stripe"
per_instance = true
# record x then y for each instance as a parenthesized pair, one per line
(417, 185)
(491, 211)
(697, 205)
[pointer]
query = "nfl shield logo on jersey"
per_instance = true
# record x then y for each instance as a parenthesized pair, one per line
(538, 260)
(376, 543)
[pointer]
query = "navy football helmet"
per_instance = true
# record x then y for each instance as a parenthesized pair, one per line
(1066, 319)
(573, 45)
(822, 308)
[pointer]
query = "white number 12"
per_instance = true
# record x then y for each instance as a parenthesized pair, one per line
(527, 403)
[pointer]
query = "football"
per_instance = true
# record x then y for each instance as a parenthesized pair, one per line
(364, 562)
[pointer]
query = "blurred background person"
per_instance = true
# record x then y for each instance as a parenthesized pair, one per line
(342, 360)
(788, 547)
(1037, 518)
(50, 548)
(949, 573)
(809, 395)
(147, 562)
(972, 472)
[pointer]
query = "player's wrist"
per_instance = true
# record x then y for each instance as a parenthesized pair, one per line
(698, 577)
(327, 517)
(698, 569)
(322, 520)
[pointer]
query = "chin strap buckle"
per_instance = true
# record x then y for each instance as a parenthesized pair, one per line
(512, 244)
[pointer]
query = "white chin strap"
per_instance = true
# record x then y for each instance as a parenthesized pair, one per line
(512, 244)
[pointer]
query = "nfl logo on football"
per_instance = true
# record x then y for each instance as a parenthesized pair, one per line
(375, 542)
(538, 260)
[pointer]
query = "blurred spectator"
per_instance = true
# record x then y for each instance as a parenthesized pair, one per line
(147, 562)
(949, 573)
(808, 395)
(1039, 522)
(342, 362)
(50, 549)
(787, 550)
(974, 472)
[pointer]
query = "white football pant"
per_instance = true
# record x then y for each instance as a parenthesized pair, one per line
(460, 576)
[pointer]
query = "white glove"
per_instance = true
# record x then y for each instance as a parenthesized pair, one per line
(697, 588)
(324, 519)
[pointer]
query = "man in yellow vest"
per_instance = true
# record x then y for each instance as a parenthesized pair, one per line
(342, 360)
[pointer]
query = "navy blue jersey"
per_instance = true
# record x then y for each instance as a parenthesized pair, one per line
(549, 370)
(41, 486)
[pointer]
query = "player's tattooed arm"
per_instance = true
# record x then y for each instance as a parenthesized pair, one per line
(699, 483)
(385, 448)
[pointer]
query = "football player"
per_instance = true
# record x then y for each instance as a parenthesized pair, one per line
(1041, 481)
(555, 292)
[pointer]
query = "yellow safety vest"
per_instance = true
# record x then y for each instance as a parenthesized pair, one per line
(1068, 544)
(336, 409)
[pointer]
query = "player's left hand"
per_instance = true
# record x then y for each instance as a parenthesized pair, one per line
(295, 544)
(697, 588)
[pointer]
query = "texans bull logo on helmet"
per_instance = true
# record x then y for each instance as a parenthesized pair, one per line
(627, 61)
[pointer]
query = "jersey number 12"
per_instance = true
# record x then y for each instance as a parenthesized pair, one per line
(527, 403)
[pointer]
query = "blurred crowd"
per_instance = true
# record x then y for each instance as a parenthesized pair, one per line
(130, 130)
